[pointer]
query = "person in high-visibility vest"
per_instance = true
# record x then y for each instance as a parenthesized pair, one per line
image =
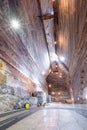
(26, 105)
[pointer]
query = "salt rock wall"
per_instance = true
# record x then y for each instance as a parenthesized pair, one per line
(14, 87)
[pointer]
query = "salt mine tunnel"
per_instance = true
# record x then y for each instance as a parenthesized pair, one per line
(43, 63)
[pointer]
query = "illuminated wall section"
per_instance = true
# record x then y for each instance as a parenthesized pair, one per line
(11, 78)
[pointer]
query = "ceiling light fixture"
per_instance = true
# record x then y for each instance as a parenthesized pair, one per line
(43, 73)
(15, 24)
(86, 96)
(49, 85)
(53, 93)
(59, 93)
(60, 76)
(78, 98)
(55, 42)
(62, 58)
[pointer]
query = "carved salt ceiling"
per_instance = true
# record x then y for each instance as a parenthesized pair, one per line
(49, 30)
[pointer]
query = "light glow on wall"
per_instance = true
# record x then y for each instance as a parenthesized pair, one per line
(54, 57)
(38, 89)
(85, 93)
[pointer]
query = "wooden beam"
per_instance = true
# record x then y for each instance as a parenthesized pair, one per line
(46, 17)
